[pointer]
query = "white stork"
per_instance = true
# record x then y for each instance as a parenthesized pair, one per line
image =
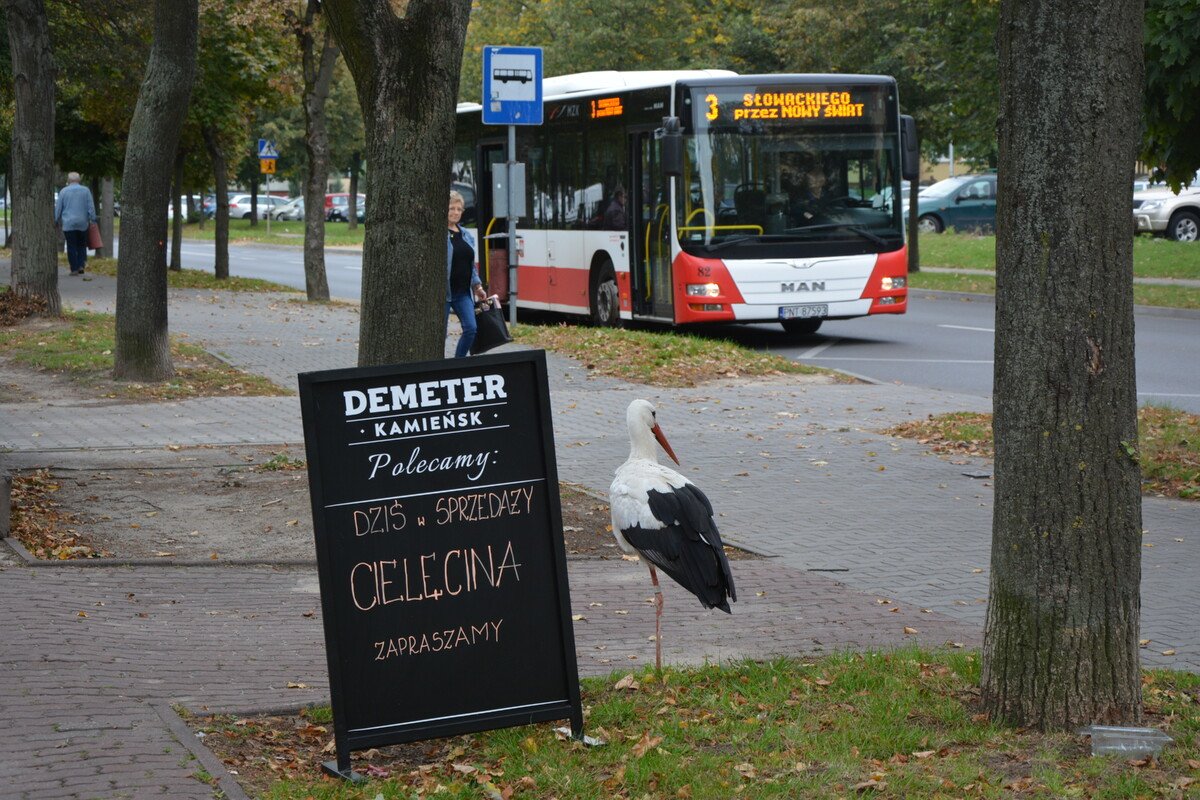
(666, 520)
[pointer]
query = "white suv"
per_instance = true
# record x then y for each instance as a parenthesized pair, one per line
(1161, 211)
(239, 205)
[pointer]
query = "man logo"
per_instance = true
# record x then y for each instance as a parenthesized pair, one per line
(803, 286)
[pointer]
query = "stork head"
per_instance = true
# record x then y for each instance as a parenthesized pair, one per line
(643, 430)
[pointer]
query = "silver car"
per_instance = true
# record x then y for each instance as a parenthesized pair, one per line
(290, 211)
(1162, 212)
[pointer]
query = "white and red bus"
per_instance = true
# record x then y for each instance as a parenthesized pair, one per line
(722, 221)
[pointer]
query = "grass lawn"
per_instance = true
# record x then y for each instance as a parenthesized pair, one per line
(660, 359)
(195, 279)
(80, 346)
(902, 724)
(337, 234)
(1152, 257)
(1168, 445)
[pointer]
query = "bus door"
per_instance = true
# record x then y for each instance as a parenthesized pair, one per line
(493, 253)
(650, 256)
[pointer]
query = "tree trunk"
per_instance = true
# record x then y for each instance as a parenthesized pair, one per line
(177, 216)
(318, 73)
(352, 200)
(254, 202)
(216, 154)
(142, 345)
(1061, 640)
(107, 226)
(405, 59)
(35, 250)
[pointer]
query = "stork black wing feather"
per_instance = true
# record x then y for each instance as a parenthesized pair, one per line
(688, 547)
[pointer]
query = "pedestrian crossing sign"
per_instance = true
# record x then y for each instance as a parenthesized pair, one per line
(266, 166)
(266, 149)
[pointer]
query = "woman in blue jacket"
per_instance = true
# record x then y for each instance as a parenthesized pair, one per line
(463, 286)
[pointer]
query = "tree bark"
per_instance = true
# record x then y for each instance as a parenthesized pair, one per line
(405, 59)
(177, 216)
(107, 227)
(34, 242)
(1061, 639)
(142, 345)
(216, 154)
(318, 74)
(352, 200)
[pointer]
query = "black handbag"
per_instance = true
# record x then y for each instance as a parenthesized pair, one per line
(491, 330)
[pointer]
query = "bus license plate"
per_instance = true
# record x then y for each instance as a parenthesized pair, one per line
(804, 312)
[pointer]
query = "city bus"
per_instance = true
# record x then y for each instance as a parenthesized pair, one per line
(692, 197)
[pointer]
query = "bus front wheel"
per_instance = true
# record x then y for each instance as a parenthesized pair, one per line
(801, 327)
(605, 301)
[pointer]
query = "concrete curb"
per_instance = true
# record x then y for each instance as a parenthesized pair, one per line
(230, 788)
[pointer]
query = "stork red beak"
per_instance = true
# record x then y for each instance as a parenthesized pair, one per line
(662, 439)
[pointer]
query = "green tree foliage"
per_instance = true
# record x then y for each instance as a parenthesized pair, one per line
(1172, 120)
(586, 35)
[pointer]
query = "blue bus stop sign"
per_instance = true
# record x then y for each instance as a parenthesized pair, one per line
(512, 86)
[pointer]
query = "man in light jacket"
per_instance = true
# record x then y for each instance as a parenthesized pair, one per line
(74, 211)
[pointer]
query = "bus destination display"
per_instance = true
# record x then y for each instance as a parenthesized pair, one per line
(790, 104)
(439, 549)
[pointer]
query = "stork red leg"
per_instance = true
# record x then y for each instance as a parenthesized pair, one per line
(658, 607)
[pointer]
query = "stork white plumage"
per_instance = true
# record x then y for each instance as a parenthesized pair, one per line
(666, 520)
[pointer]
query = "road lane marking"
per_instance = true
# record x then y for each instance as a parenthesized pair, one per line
(968, 328)
(904, 360)
(812, 353)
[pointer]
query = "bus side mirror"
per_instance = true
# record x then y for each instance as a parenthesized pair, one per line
(910, 155)
(672, 146)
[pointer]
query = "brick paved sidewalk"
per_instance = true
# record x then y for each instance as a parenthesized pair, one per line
(92, 657)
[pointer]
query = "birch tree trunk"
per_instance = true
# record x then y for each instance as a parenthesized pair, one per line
(34, 238)
(1061, 640)
(405, 59)
(142, 345)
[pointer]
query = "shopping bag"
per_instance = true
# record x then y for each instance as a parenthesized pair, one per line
(491, 330)
(94, 242)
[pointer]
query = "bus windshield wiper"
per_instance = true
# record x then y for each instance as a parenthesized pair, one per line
(753, 237)
(843, 226)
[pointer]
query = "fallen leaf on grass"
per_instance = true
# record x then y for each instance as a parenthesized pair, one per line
(907, 629)
(1168, 652)
(294, 685)
(627, 683)
(377, 772)
(645, 744)
(747, 770)
(873, 784)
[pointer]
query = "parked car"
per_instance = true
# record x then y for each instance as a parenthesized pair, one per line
(337, 207)
(196, 203)
(239, 205)
(1162, 212)
(965, 202)
(290, 211)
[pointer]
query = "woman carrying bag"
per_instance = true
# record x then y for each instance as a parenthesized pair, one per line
(463, 286)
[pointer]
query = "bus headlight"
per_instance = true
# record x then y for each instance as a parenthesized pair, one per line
(703, 290)
(887, 284)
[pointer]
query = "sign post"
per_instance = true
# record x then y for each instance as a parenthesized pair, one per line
(439, 549)
(266, 165)
(512, 95)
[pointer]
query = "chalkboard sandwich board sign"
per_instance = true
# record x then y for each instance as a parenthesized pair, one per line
(439, 549)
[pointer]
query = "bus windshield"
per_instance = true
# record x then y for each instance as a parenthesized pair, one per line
(790, 171)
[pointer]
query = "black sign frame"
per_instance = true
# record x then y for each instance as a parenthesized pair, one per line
(328, 482)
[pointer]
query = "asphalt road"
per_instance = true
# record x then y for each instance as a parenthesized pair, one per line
(943, 342)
